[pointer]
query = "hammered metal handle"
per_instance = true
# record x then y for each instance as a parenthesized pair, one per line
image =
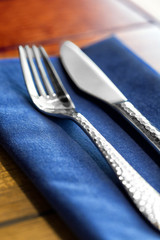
(138, 120)
(144, 196)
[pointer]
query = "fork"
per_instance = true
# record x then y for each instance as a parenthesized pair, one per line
(50, 97)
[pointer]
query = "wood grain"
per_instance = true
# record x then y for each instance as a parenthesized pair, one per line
(22, 207)
(19, 198)
(41, 21)
(48, 227)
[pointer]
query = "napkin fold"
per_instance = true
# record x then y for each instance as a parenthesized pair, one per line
(62, 161)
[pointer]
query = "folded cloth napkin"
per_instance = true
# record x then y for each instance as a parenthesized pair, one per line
(62, 161)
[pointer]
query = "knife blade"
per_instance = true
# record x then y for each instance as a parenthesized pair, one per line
(90, 79)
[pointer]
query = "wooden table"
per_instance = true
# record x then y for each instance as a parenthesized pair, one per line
(24, 213)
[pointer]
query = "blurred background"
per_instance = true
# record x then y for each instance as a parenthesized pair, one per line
(24, 213)
(49, 22)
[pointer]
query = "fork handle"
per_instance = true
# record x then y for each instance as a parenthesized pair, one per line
(138, 120)
(144, 196)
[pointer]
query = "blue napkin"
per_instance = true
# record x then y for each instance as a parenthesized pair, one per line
(62, 161)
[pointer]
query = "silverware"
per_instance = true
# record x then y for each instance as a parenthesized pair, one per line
(59, 104)
(89, 78)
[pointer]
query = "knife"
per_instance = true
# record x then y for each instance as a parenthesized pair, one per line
(90, 78)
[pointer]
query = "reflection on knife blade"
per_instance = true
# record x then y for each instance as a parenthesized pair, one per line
(90, 78)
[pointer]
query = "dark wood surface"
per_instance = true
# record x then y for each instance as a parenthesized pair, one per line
(24, 213)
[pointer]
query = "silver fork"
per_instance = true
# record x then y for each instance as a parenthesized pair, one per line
(59, 104)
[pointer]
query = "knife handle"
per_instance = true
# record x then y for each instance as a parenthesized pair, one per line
(144, 196)
(139, 121)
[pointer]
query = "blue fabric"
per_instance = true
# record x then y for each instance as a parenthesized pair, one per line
(63, 163)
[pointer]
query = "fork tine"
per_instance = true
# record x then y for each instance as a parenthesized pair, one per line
(26, 72)
(42, 71)
(58, 86)
(34, 71)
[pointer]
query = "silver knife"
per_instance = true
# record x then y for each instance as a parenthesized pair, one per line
(90, 78)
